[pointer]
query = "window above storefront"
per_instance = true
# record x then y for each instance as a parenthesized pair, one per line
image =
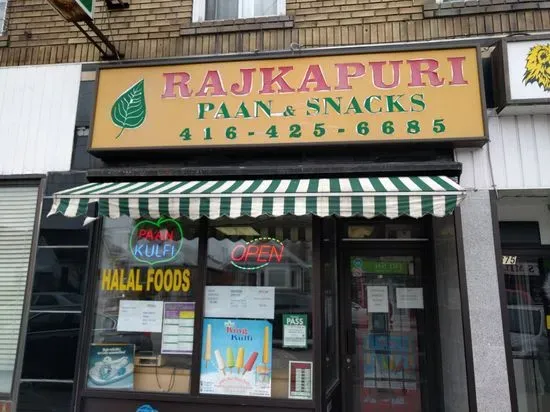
(3, 12)
(208, 10)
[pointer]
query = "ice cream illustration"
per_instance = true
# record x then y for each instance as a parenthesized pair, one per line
(230, 360)
(262, 371)
(208, 344)
(240, 360)
(250, 362)
(219, 361)
(265, 355)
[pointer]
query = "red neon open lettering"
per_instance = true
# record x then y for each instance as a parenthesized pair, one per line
(253, 255)
(238, 253)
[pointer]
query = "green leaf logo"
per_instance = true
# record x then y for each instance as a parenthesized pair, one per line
(129, 109)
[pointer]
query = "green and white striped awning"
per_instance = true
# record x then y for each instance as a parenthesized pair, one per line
(367, 196)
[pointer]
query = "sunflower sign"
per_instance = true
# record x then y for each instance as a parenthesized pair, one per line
(526, 66)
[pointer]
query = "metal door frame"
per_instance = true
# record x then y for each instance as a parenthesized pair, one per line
(383, 247)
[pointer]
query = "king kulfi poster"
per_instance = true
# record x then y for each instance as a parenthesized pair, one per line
(236, 357)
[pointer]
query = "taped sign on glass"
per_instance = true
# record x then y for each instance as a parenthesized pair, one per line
(409, 298)
(377, 299)
(247, 302)
(294, 330)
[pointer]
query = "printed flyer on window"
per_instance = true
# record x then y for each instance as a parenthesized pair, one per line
(111, 366)
(236, 357)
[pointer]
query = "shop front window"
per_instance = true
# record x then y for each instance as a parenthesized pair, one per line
(257, 329)
(143, 328)
(527, 282)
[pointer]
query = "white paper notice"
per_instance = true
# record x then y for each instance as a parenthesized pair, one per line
(409, 298)
(140, 316)
(247, 302)
(377, 299)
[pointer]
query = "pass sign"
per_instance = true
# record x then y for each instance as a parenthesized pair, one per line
(393, 97)
(295, 331)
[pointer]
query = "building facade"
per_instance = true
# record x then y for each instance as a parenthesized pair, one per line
(26, 159)
(282, 205)
(511, 172)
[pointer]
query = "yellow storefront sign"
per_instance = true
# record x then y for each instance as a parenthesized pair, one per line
(404, 96)
(136, 280)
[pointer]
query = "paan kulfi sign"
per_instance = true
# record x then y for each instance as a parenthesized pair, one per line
(378, 97)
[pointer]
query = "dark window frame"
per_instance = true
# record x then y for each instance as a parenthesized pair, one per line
(29, 313)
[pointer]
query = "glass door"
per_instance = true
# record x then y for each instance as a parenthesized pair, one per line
(385, 362)
(527, 282)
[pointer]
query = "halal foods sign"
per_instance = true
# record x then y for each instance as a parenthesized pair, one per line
(383, 97)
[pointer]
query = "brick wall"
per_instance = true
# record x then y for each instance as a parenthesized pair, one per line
(162, 28)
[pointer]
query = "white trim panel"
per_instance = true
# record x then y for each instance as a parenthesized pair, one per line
(37, 117)
(517, 155)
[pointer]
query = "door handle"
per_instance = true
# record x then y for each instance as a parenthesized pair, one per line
(350, 341)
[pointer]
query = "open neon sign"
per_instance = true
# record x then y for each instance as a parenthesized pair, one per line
(257, 253)
(155, 242)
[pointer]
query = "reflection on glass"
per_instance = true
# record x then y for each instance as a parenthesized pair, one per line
(528, 296)
(406, 228)
(252, 257)
(50, 346)
(45, 397)
(265, 8)
(144, 313)
(221, 9)
(58, 279)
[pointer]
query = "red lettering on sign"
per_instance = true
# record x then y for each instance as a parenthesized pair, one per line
(253, 255)
(344, 75)
(156, 234)
(418, 70)
(277, 253)
(238, 253)
(251, 250)
(264, 251)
